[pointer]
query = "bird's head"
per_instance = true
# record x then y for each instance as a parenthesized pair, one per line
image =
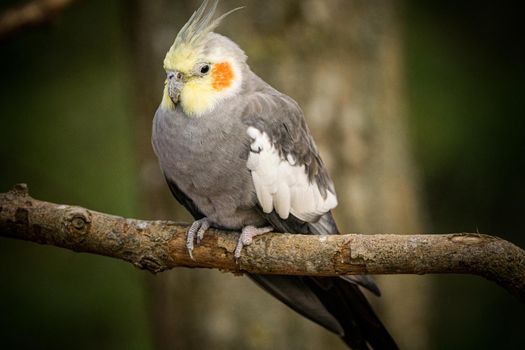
(202, 68)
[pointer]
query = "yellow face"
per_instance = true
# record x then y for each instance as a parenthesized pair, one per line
(205, 80)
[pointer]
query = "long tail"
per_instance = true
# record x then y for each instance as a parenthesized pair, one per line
(362, 328)
(335, 303)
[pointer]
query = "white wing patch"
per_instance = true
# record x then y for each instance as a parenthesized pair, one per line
(283, 185)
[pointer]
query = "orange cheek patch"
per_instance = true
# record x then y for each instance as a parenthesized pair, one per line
(222, 75)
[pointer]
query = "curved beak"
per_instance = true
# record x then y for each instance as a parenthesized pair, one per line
(175, 84)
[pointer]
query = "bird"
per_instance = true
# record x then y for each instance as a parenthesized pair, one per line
(238, 155)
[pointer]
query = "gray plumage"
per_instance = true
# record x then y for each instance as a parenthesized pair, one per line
(188, 148)
(206, 161)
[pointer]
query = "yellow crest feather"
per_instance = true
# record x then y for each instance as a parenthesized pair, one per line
(189, 42)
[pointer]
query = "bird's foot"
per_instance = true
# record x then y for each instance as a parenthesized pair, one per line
(246, 238)
(197, 229)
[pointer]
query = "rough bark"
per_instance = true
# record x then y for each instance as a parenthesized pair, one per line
(160, 245)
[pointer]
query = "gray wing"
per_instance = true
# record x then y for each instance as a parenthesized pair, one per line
(284, 163)
(282, 139)
(288, 174)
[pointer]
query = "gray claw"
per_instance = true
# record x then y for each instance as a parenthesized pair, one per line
(202, 230)
(246, 238)
(198, 228)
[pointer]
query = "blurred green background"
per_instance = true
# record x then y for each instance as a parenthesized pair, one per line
(67, 129)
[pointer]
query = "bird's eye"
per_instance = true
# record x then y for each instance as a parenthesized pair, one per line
(205, 68)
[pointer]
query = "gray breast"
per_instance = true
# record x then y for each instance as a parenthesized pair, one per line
(206, 157)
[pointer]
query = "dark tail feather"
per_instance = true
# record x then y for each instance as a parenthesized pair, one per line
(334, 303)
(362, 328)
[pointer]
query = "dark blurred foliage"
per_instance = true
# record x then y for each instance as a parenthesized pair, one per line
(465, 76)
(465, 73)
(67, 130)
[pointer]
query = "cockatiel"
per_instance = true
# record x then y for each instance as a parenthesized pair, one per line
(238, 155)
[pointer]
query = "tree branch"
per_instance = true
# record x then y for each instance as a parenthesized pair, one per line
(30, 14)
(160, 245)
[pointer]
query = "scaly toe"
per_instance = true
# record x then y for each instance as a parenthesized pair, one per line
(198, 228)
(202, 230)
(238, 249)
(246, 238)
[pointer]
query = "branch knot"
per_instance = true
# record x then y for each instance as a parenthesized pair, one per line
(77, 221)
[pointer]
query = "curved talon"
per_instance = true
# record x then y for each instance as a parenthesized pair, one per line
(246, 238)
(198, 228)
(202, 230)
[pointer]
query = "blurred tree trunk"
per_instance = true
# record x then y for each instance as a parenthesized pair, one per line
(342, 61)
